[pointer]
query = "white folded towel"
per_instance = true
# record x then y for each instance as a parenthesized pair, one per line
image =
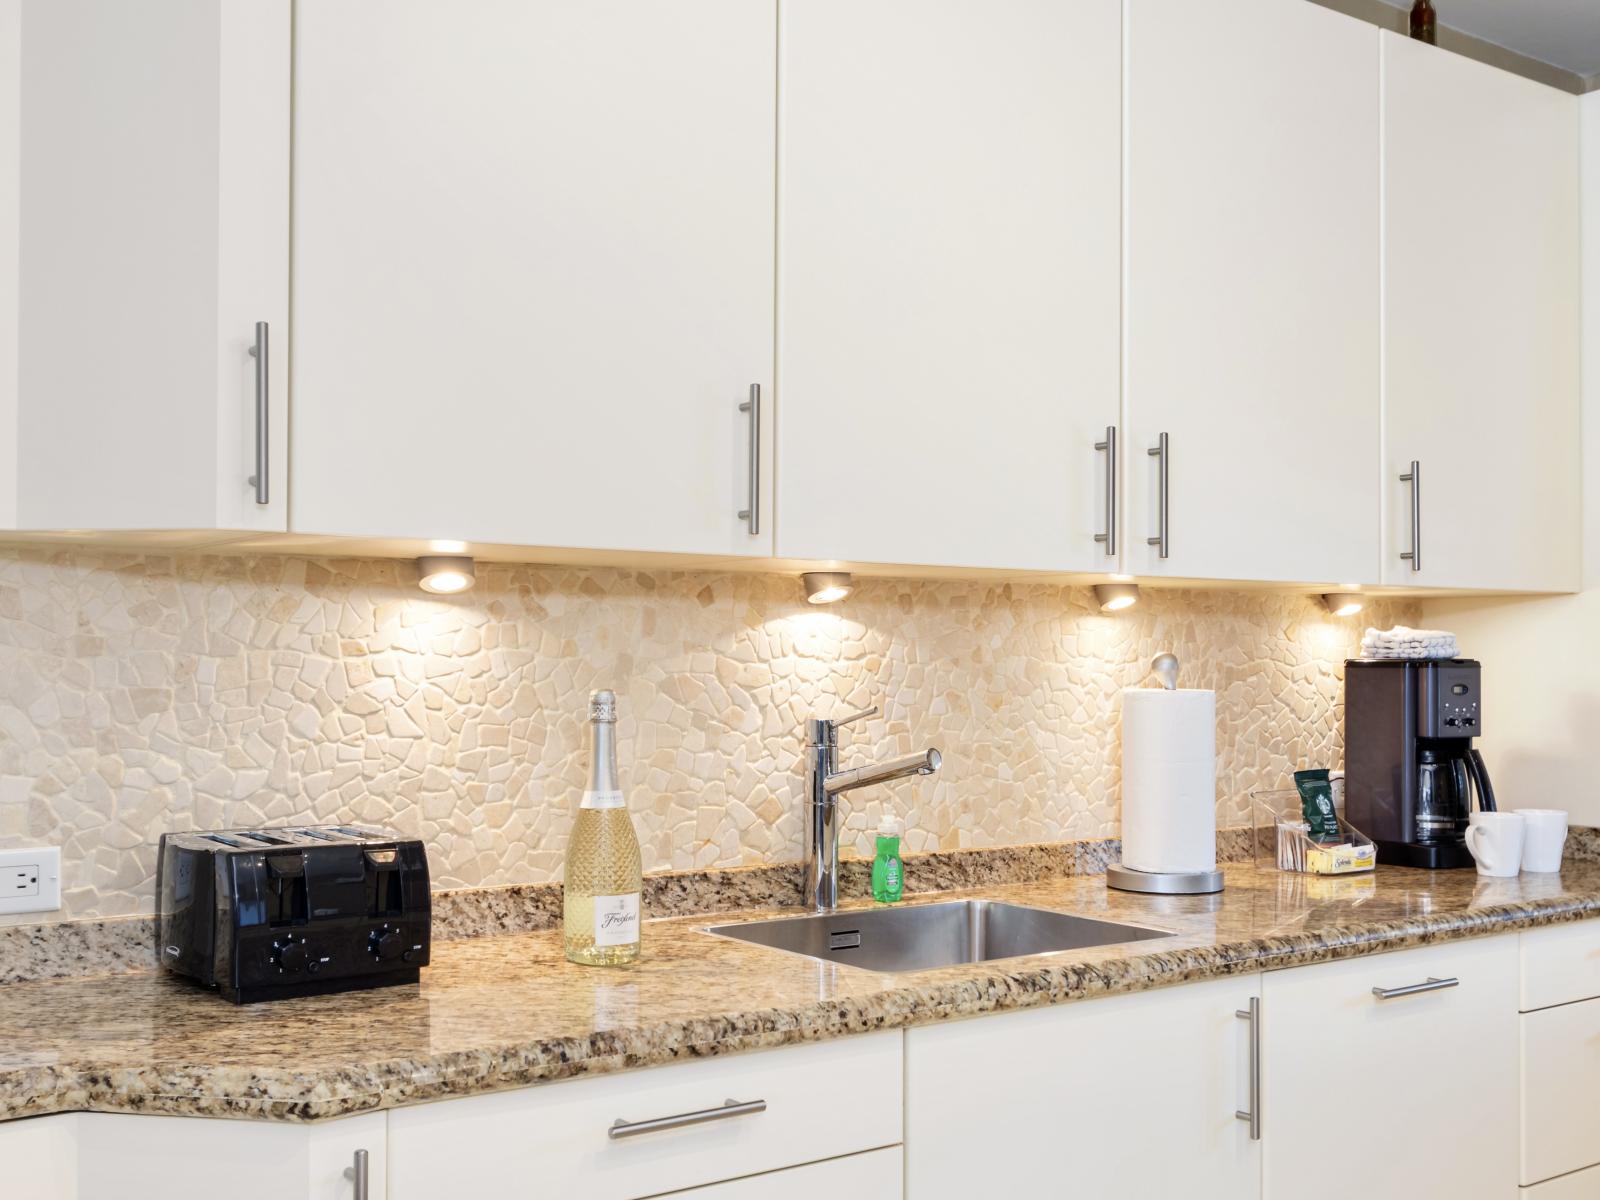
(1403, 642)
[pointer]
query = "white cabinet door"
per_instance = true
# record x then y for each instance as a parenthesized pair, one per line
(1481, 298)
(1126, 1096)
(39, 1157)
(1421, 1088)
(875, 1175)
(1560, 1083)
(1252, 290)
(123, 1157)
(948, 280)
(533, 270)
(153, 187)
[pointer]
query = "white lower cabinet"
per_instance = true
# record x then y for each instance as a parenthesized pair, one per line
(821, 1101)
(1125, 1096)
(116, 1156)
(1421, 1086)
(875, 1175)
(1560, 1042)
(1560, 1087)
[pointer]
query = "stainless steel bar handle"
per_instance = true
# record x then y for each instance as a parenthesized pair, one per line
(259, 353)
(751, 514)
(359, 1172)
(1161, 450)
(732, 1108)
(1414, 478)
(1109, 537)
(1253, 1114)
(1411, 989)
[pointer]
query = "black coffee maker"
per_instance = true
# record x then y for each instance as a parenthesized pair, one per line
(1409, 763)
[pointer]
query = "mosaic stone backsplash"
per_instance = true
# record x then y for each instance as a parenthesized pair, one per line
(146, 693)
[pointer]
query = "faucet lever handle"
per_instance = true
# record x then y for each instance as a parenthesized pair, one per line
(853, 717)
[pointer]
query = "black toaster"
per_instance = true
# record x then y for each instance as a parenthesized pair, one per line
(261, 914)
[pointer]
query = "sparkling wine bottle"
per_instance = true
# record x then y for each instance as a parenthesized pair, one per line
(600, 902)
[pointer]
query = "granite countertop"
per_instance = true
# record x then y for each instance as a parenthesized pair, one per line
(498, 1012)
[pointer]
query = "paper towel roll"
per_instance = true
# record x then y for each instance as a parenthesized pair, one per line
(1169, 773)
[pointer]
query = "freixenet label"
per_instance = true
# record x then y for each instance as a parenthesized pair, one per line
(616, 920)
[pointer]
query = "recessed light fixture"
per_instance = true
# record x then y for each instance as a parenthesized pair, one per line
(824, 587)
(1115, 596)
(1344, 604)
(445, 574)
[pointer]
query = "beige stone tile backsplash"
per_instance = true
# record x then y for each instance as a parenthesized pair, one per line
(139, 694)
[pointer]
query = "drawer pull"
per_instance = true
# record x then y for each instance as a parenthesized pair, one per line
(1253, 1114)
(731, 1108)
(1411, 989)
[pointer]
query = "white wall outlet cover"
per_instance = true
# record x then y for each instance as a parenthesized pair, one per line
(30, 879)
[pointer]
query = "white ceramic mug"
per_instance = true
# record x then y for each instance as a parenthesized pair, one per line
(1544, 835)
(1495, 841)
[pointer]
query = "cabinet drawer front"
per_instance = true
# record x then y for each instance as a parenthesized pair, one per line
(1560, 964)
(875, 1175)
(822, 1101)
(1560, 1080)
(1399, 1077)
(1582, 1185)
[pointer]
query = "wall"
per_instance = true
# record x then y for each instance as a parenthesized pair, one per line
(139, 694)
(1541, 688)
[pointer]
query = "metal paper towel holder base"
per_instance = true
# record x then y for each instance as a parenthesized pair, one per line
(1163, 883)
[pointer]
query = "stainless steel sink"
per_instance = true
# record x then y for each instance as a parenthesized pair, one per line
(920, 936)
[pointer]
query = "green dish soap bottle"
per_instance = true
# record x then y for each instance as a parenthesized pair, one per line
(888, 872)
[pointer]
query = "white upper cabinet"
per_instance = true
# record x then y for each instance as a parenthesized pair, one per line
(1481, 302)
(533, 275)
(148, 203)
(1252, 291)
(947, 280)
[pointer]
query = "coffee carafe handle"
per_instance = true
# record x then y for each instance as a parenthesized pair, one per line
(1480, 781)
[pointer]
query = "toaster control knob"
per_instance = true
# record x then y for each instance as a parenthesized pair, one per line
(292, 956)
(386, 944)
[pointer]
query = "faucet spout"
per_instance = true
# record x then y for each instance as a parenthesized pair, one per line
(925, 763)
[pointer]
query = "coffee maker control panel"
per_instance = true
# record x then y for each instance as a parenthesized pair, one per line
(1448, 699)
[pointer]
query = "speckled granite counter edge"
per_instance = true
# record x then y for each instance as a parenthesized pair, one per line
(288, 1095)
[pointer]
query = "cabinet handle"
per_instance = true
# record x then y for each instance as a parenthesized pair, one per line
(1109, 537)
(1411, 989)
(358, 1172)
(1253, 1114)
(731, 1108)
(1414, 478)
(1161, 451)
(259, 353)
(751, 514)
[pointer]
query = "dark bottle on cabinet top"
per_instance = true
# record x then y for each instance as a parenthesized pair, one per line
(1424, 22)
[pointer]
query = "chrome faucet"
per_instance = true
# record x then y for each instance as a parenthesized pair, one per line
(823, 782)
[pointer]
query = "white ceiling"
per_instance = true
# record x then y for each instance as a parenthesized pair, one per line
(1563, 33)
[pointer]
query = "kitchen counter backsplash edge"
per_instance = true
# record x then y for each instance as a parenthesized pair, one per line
(123, 945)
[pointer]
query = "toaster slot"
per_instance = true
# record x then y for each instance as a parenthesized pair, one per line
(266, 839)
(384, 894)
(286, 889)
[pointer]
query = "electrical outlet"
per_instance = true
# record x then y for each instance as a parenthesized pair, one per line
(30, 879)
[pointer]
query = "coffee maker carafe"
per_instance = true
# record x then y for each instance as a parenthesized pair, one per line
(1410, 766)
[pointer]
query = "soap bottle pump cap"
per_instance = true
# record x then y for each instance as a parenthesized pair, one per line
(890, 827)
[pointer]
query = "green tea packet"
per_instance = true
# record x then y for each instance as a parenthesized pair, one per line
(1316, 803)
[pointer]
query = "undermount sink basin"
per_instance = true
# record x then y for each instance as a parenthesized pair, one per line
(921, 936)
